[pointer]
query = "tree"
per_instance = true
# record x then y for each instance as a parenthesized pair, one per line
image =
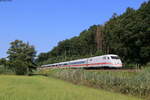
(21, 57)
(3, 61)
(41, 57)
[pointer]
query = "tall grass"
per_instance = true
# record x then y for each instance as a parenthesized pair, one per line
(133, 83)
(43, 88)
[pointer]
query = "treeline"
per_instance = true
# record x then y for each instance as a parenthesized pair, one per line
(127, 35)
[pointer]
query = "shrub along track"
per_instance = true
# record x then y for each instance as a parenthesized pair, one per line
(112, 69)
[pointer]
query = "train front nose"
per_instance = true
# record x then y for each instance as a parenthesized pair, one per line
(118, 63)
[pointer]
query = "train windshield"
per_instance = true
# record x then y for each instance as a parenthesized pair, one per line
(115, 57)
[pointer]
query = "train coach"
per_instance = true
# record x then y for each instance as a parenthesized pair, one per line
(109, 61)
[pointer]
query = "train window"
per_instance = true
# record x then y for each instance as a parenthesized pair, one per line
(104, 57)
(107, 57)
(114, 57)
(79, 62)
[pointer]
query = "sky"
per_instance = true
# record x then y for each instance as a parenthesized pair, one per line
(43, 23)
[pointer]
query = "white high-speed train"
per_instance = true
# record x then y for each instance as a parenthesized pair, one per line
(109, 60)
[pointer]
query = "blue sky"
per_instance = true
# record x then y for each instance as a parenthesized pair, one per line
(43, 23)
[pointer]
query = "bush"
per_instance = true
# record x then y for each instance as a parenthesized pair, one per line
(2, 69)
(5, 70)
(19, 67)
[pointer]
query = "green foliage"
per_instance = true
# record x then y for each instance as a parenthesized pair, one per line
(133, 83)
(3, 61)
(5, 70)
(128, 35)
(2, 69)
(19, 67)
(21, 57)
(99, 52)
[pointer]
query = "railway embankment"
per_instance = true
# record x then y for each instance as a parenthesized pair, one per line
(42, 88)
(136, 83)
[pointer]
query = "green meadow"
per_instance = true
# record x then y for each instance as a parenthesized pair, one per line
(43, 88)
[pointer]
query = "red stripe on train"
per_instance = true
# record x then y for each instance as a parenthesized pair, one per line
(86, 65)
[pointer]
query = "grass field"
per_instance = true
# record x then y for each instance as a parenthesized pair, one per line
(131, 82)
(43, 88)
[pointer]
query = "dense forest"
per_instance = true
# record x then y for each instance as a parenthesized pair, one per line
(127, 35)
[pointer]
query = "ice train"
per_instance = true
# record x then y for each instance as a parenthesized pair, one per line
(109, 60)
